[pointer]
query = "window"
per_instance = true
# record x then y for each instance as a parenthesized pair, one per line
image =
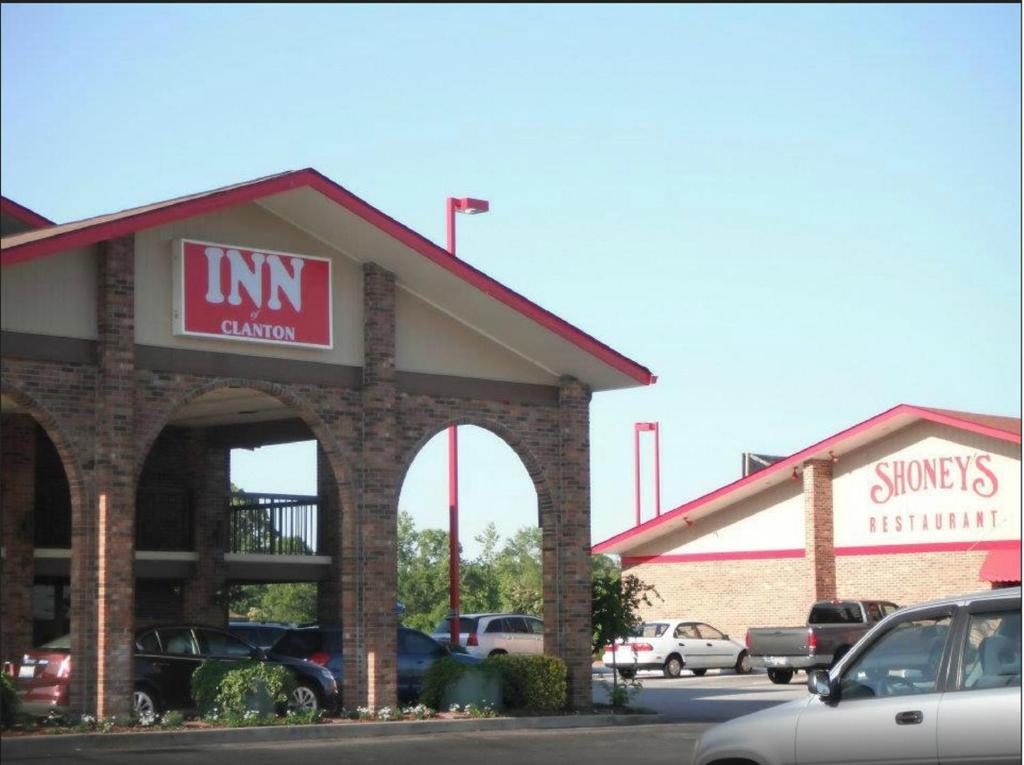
(687, 631)
(836, 613)
(410, 642)
(710, 633)
(516, 625)
(536, 626)
(992, 651)
(497, 625)
(213, 643)
(889, 608)
(178, 641)
(903, 661)
(651, 630)
(299, 643)
(148, 643)
(874, 612)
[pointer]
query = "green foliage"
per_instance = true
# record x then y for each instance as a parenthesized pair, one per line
(9, 701)
(291, 602)
(235, 688)
(206, 681)
(172, 719)
(254, 687)
(531, 683)
(439, 677)
(503, 578)
(614, 605)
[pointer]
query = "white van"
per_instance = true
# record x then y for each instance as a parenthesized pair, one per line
(492, 634)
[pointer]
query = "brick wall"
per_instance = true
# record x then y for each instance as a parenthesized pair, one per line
(910, 578)
(730, 595)
(818, 528)
(17, 500)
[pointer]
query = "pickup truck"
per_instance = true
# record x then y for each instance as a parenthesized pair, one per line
(832, 627)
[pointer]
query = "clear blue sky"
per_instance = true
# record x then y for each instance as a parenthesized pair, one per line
(796, 216)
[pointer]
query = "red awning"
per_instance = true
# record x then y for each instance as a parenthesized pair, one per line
(1001, 566)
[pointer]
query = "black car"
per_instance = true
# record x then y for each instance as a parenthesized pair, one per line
(263, 634)
(322, 645)
(166, 657)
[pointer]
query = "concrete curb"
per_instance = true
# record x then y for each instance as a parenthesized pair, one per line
(53, 745)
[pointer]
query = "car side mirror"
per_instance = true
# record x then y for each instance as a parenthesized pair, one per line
(725, 637)
(820, 684)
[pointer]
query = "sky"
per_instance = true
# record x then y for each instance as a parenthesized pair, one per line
(796, 216)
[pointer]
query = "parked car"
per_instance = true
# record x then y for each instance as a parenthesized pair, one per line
(262, 634)
(939, 682)
(672, 645)
(165, 658)
(322, 646)
(832, 627)
(486, 635)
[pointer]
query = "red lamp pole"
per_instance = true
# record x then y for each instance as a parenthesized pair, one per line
(466, 206)
(637, 428)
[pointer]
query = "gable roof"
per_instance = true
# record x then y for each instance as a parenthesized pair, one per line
(1002, 428)
(298, 196)
(21, 213)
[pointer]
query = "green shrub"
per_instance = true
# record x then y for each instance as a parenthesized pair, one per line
(531, 683)
(440, 676)
(206, 682)
(9, 701)
(237, 688)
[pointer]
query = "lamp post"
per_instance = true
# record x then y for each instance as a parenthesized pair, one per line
(637, 429)
(466, 206)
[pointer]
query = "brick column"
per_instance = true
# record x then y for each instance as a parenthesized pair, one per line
(818, 528)
(18, 434)
(370, 623)
(572, 576)
(328, 593)
(110, 619)
(205, 599)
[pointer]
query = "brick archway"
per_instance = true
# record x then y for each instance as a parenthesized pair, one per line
(19, 560)
(204, 599)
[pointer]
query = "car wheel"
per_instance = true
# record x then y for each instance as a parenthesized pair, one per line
(673, 666)
(144, 703)
(699, 672)
(743, 663)
(497, 652)
(780, 676)
(304, 699)
(627, 674)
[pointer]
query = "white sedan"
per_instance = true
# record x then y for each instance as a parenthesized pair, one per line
(672, 645)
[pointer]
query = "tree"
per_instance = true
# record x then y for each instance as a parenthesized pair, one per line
(615, 604)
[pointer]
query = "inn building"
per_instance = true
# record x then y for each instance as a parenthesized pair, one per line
(913, 504)
(140, 347)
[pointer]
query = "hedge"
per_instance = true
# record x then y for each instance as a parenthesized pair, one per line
(528, 683)
(531, 683)
(9, 701)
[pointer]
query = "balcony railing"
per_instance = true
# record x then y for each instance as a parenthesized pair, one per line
(273, 524)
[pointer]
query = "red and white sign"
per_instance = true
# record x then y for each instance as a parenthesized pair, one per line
(257, 296)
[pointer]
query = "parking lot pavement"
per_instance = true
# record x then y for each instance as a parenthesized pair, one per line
(654, 744)
(718, 696)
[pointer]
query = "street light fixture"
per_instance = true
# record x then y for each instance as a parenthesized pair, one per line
(466, 206)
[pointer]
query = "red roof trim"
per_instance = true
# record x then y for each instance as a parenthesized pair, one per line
(930, 547)
(23, 214)
(793, 461)
(710, 556)
(190, 207)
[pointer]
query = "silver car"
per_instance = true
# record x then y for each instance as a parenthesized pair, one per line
(935, 683)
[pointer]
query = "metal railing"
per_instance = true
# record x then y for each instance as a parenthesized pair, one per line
(273, 524)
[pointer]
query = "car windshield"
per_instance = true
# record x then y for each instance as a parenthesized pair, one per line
(653, 630)
(63, 643)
